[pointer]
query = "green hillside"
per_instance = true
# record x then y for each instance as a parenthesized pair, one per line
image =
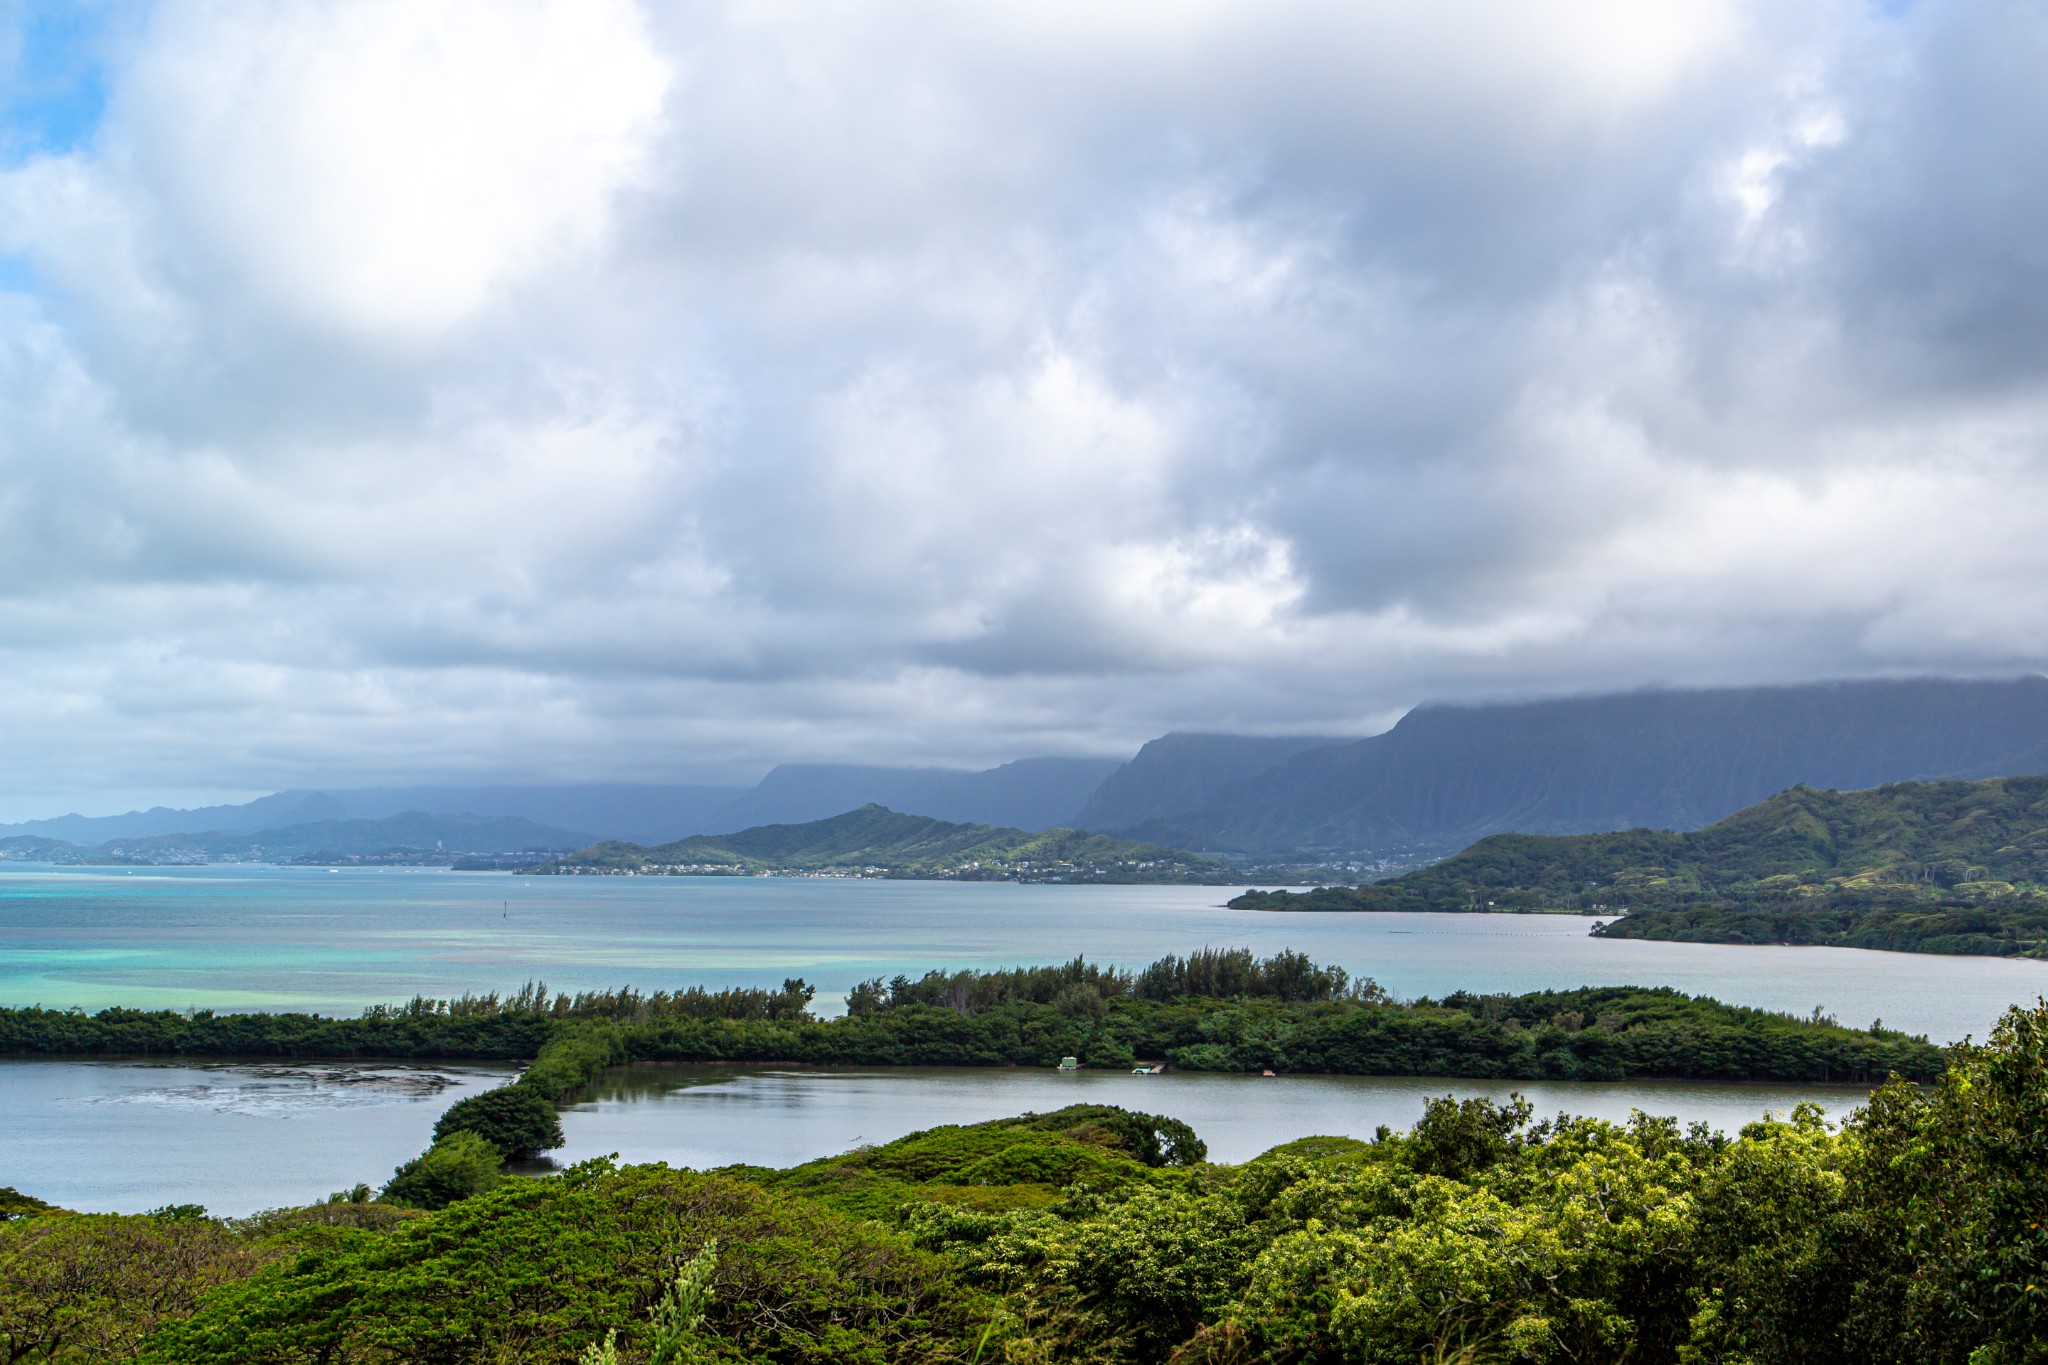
(1958, 867)
(878, 842)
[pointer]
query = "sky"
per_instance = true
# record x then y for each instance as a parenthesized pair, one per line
(413, 390)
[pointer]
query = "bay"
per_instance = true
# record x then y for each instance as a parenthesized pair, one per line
(127, 1136)
(258, 937)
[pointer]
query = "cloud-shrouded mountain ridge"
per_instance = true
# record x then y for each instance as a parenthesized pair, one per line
(1438, 780)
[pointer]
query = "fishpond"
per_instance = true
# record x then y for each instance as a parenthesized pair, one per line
(127, 1137)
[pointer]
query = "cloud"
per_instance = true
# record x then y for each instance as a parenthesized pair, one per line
(579, 390)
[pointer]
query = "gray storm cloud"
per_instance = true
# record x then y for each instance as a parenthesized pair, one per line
(399, 390)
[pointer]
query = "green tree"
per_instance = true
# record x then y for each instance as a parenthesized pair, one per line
(516, 1119)
(535, 1271)
(1460, 1138)
(676, 1320)
(1951, 1199)
(1774, 1281)
(457, 1167)
(90, 1287)
(14, 1204)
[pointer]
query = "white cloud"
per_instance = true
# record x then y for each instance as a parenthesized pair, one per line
(584, 389)
(392, 167)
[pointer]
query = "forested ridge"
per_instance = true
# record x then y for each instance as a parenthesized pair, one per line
(1446, 776)
(1947, 867)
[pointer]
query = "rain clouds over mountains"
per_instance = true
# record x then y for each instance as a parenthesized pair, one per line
(1439, 779)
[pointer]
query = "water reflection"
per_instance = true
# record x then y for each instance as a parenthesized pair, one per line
(283, 1091)
(128, 1136)
(704, 1116)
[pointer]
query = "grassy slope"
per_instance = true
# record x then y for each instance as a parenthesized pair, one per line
(1937, 866)
(875, 837)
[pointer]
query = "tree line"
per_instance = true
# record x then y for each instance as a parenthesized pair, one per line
(1216, 1010)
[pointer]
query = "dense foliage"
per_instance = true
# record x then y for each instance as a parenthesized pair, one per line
(542, 1270)
(876, 842)
(516, 1119)
(475, 1027)
(1595, 1034)
(1952, 867)
(1210, 1011)
(2004, 926)
(1913, 1235)
(15, 1204)
(458, 1166)
(1212, 973)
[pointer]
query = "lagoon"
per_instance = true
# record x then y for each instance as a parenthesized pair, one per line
(127, 1136)
(259, 937)
(238, 1138)
(712, 1116)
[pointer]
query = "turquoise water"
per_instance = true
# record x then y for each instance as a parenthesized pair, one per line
(238, 937)
(112, 1135)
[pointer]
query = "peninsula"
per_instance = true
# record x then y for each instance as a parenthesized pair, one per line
(1939, 867)
(877, 842)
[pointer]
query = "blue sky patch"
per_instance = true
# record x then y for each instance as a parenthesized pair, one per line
(54, 88)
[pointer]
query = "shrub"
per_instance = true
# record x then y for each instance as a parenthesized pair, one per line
(92, 1286)
(454, 1168)
(1108, 1051)
(538, 1271)
(1150, 1138)
(571, 1060)
(14, 1204)
(516, 1119)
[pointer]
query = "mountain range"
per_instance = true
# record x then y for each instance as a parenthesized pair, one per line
(409, 837)
(1445, 776)
(1033, 794)
(1441, 778)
